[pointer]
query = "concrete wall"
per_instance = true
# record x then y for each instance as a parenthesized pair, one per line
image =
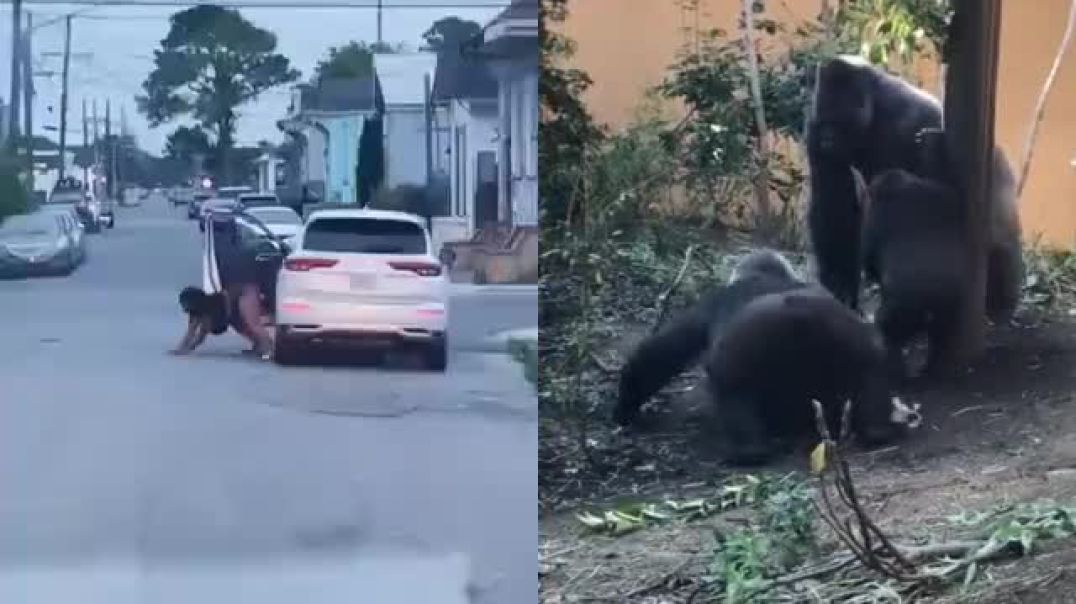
(405, 146)
(625, 64)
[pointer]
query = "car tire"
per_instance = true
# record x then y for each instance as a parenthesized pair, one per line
(286, 351)
(435, 355)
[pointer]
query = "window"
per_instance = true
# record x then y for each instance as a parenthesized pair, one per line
(364, 236)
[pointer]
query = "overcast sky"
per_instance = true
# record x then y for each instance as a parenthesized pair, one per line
(112, 52)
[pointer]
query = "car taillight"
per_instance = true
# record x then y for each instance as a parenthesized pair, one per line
(423, 269)
(308, 264)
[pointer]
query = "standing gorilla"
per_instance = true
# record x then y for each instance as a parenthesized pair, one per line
(864, 118)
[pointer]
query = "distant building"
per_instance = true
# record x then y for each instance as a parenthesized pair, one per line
(465, 92)
(510, 44)
(327, 120)
(4, 118)
(401, 77)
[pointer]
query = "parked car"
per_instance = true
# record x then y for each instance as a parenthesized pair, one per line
(258, 200)
(181, 196)
(233, 192)
(194, 208)
(215, 204)
(36, 244)
(83, 203)
(362, 277)
(72, 227)
(282, 221)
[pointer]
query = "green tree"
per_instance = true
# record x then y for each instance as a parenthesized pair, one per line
(370, 172)
(449, 33)
(211, 62)
(186, 142)
(353, 60)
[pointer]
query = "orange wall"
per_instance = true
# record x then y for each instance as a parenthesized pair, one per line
(626, 46)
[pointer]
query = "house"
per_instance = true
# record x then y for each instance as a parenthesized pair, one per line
(326, 119)
(510, 44)
(465, 93)
(625, 65)
(402, 79)
(269, 172)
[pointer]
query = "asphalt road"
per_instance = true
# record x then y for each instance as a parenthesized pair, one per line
(128, 475)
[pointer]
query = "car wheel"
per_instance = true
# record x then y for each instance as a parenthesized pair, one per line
(435, 356)
(286, 351)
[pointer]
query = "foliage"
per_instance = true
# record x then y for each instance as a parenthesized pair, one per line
(888, 30)
(567, 133)
(186, 142)
(211, 62)
(353, 60)
(370, 172)
(13, 196)
(526, 352)
(449, 33)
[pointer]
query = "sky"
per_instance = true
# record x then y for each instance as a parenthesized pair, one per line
(112, 52)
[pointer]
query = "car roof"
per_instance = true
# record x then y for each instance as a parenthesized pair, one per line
(367, 213)
(242, 195)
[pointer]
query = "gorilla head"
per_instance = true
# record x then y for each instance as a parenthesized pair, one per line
(842, 105)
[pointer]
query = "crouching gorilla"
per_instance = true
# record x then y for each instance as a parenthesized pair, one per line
(664, 355)
(863, 118)
(915, 249)
(785, 349)
(774, 343)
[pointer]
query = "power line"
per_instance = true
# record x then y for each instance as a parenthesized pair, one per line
(290, 4)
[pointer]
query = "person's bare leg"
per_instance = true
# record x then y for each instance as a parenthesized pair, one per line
(250, 314)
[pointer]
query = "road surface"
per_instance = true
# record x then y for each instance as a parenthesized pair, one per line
(129, 475)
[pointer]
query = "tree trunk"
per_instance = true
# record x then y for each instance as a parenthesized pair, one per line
(762, 177)
(971, 81)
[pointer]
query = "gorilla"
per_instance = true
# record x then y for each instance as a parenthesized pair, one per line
(664, 355)
(864, 118)
(784, 349)
(775, 342)
(915, 248)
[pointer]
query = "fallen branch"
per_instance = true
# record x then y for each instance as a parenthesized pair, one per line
(1040, 105)
(663, 300)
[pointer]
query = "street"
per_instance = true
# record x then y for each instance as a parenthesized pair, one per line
(129, 475)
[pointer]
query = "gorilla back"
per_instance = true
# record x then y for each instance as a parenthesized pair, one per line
(662, 356)
(785, 349)
(864, 118)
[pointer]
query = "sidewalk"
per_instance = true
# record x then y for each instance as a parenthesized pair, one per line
(471, 289)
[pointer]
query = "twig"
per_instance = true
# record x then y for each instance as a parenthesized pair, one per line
(662, 302)
(1040, 105)
(606, 367)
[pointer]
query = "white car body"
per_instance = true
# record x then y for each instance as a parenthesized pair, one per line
(346, 282)
(281, 221)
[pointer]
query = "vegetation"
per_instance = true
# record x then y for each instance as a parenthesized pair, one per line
(13, 196)
(212, 62)
(353, 60)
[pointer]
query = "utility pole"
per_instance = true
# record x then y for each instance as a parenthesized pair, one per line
(16, 61)
(426, 103)
(111, 157)
(63, 93)
(28, 100)
(379, 7)
(85, 142)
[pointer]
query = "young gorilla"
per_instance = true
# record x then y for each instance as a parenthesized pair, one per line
(785, 349)
(915, 249)
(864, 118)
(664, 355)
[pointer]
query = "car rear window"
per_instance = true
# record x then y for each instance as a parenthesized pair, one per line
(364, 236)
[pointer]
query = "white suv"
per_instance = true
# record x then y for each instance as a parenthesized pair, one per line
(365, 277)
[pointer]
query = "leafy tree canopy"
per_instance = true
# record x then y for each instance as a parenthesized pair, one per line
(185, 142)
(353, 60)
(449, 33)
(212, 61)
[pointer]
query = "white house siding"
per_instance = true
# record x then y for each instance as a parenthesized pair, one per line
(313, 168)
(519, 118)
(472, 130)
(405, 146)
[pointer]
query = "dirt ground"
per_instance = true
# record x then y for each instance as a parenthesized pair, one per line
(1003, 432)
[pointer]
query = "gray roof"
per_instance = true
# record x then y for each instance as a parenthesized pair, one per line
(463, 77)
(339, 94)
(520, 9)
